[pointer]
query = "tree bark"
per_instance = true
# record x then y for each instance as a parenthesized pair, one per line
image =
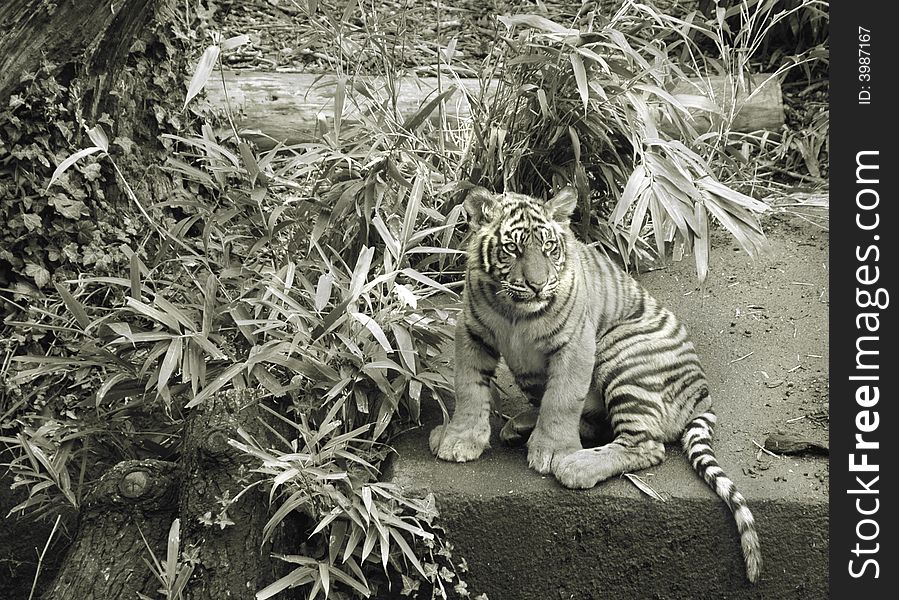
(233, 561)
(141, 498)
(95, 33)
(133, 502)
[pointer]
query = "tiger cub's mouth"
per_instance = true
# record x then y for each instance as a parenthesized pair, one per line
(527, 296)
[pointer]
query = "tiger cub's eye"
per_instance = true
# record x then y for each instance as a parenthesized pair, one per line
(510, 247)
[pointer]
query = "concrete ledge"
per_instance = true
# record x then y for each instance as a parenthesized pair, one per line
(525, 537)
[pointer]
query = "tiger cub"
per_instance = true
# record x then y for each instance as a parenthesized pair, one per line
(581, 338)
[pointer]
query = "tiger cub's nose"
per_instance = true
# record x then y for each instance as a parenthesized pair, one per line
(536, 283)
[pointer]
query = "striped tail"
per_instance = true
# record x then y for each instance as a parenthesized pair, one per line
(697, 440)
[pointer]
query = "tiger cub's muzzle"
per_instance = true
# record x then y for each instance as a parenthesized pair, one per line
(533, 277)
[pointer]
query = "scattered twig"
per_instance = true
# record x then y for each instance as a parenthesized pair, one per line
(742, 357)
(643, 486)
(765, 450)
(791, 444)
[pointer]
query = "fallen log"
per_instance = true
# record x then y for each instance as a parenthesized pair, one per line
(300, 107)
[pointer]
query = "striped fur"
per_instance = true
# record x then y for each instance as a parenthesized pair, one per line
(581, 337)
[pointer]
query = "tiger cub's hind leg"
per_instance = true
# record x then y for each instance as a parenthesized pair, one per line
(626, 453)
(636, 446)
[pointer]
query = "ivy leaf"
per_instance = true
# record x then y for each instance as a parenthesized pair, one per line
(68, 207)
(32, 222)
(39, 274)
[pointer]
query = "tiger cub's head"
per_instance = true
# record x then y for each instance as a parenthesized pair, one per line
(520, 243)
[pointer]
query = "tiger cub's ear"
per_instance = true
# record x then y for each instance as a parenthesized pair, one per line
(479, 204)
(562, 204)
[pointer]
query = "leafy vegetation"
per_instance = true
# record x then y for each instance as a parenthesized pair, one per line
(325, 274)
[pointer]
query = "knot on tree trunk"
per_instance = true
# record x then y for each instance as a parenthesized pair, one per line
(149, 485)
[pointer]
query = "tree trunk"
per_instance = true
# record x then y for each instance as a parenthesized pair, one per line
(221, 537)
(96, 33)
(130, 509)
(233, 561)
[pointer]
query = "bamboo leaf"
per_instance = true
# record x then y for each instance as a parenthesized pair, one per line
(201, 73)
(634, 187)
(218, 383)
(637, 220)
(171, 359)
(366, 499)
(177, 313)
(375, 329)
(209, 297)
(749, 240)
(701, 242)
(404, 341)
(98, 137)
(407, 551)
(360, 272)
(64, 165)
(75, 307)
(575, 143)
(544, 105)
(371, 536)
(353, 542)
(324, 575)
(298, 576)
(580, 77)
(718, 188)
(406, 295)
(425, 111)
(235, 42)
(537, 22)
(658, 220)
(412, 209)
(389, 241)
(339, 102)
(134, 272)
(643, 486)
(422, 278)
(153, 314)
(359, 586)
(323, 291)
(172, 551)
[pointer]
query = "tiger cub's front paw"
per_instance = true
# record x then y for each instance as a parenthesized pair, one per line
(457, 445)
(544, 456)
